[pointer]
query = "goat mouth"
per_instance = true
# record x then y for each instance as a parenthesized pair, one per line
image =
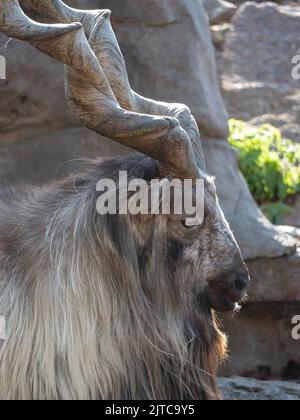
(222, 302)
(225, 306)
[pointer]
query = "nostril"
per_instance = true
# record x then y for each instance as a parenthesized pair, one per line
(241, 283)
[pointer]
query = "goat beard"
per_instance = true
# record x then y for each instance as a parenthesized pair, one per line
(54, 352)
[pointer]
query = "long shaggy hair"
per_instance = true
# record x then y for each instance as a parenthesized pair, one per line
(101, 307)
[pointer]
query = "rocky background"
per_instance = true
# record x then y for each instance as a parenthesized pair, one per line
(170, 57)
(254, 54)
(255, 64)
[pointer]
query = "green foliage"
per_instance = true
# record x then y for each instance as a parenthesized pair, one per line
(270, 164)
(275, 211)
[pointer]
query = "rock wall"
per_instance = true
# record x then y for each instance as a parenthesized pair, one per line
(242, 389)
(256, 66)
(255, 52)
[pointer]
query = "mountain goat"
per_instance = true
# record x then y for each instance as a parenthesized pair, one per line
(111, 306)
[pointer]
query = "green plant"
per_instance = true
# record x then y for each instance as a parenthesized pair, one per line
(270, 164)
(275, 211)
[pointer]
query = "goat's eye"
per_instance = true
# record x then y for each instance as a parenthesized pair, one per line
(190, 223)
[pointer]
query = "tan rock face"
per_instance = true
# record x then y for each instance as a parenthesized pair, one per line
(32, 97)
(245, 389)
(276, 280)
(261, 341)
(52, 155)
(260, 338)
(256, 66)
(293, 217)
(219, 10)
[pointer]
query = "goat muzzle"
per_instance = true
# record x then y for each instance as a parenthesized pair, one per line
(227, 292)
